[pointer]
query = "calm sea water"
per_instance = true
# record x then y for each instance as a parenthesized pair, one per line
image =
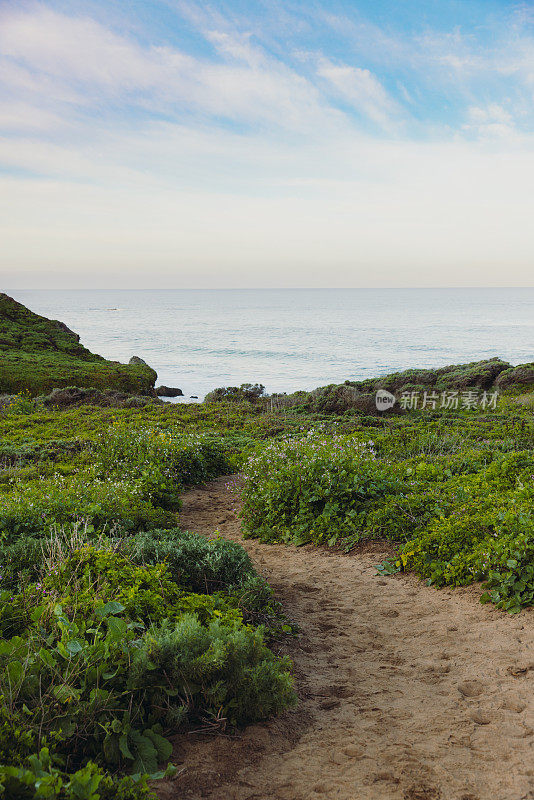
(294, 339)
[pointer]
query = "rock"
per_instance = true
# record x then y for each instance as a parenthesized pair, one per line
(65, 329)
(168, 391)
(135, 361)
(193, 396)
(478, 374)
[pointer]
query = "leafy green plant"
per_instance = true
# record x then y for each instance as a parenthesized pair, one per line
(34, 507)
(38, 777)
(311, 488)
(103, 657)
(194, 562)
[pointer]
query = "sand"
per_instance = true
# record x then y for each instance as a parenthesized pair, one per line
(406, 692)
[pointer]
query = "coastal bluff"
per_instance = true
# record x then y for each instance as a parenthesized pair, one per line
(38, 355)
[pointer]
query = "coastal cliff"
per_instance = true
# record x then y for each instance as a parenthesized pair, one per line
(38, 355)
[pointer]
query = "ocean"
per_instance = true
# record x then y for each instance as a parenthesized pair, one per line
(292, 339)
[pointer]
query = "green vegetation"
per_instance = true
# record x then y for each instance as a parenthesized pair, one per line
(117, 628)
(453, 490)
(237, 394)
(38, 355)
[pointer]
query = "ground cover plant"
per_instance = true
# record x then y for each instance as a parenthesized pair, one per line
(453, 491)
(103, 655)
(117, 628)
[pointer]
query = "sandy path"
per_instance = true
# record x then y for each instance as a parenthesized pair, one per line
(407, 692)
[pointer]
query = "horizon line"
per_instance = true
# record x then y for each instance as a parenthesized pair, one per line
(254, 288)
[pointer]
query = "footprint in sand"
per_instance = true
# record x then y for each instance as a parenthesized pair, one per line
(326, 626)
(306, 587)
(471, 688)
(514, 703)
(329, 704)
(481, 717)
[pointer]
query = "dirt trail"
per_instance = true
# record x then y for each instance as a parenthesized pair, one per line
(407, 692)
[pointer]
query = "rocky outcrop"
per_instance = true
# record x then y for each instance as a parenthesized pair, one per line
(136, 361)
(168, 391)
(522, 375)
(37, 355)
(65, 329)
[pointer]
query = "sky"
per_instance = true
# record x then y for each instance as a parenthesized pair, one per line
(168, 143)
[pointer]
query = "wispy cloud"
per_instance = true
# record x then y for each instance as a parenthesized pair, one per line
(361, 90)
(79, 61)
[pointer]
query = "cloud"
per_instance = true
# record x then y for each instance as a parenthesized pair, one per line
(403, 159)
(246, 210)
(79, 61)
(80, 50)
(360, 89)
(21, 117)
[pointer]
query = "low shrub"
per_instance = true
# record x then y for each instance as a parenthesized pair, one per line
(312, 488)
(163, 461)
(194, 562)
(102, 657)
(215, 673)
(458, 504)
(247, 392)
(147, 593)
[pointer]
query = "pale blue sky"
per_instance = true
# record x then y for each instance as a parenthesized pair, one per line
(267, 143)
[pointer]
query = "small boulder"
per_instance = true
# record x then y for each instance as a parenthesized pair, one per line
(168, 391)
(135, 361)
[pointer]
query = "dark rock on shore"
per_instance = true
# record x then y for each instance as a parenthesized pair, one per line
(168, 391)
